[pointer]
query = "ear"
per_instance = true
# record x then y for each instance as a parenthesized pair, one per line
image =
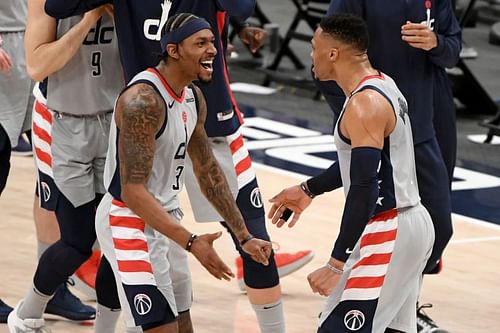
(333, 54)
(173, 51)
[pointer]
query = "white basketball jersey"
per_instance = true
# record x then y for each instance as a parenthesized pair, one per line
(167, 176)
(397, 175)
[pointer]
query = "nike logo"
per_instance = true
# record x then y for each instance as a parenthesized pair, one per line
(171, 105)
(272, 306)
(348, 251)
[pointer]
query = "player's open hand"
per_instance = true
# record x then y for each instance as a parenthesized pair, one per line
(5, 62)
(323, 280)
(259, 250)
(254, 37)
(205, 253)
(292, 198)
(419, 36)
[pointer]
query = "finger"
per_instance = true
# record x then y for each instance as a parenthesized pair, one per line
(295, 218)
(286, 214)
(413, 39)
(278, 213)
(214, 236)
(273, 209)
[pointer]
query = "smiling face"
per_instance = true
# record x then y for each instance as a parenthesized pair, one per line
(196, 55)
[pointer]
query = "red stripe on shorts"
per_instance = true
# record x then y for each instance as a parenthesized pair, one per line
(374, 259)
(243, 165)
(43, 156)
(133, 266)
(130, 244)
(378, 237)
(126, 222)
(42, 111)
(365, 282)
(42, 134)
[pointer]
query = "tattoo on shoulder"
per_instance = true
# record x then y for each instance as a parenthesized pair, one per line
(141, 117)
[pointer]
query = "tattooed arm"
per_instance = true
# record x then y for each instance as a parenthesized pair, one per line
(140, 113)
(214, 186)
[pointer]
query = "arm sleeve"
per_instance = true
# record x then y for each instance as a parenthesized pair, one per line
(326, 181)
(361, 199)
(61, 9)
(242, 9)
(449, 37)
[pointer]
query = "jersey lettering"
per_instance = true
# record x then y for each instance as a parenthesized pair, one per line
(99, 35)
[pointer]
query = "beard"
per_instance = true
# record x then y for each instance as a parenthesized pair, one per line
(204, 81)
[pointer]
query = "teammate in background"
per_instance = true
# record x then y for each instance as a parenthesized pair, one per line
(412, 42)
(159, 118)
(138, 34)
(373, 276)
(77, 60)
(17, 100)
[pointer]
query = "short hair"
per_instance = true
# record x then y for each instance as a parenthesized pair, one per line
(349, 29)
(173, 23)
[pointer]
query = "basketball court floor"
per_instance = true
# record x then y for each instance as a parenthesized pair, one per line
(465, 295)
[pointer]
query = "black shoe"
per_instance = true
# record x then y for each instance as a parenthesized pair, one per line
(4, 312)
(424, 323)
(23, 147)
(67, 305)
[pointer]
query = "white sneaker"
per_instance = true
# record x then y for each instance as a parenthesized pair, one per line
(28, 325)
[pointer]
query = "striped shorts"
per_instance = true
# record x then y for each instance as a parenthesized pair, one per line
(151, 271)
(235, 162)
(383, 275)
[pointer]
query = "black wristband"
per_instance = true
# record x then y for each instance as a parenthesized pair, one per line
(190, 242)
(247, 238)
(304, 188)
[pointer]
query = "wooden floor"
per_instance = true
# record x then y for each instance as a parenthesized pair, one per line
(466, 296)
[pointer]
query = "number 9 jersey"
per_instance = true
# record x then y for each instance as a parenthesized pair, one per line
(89, 83)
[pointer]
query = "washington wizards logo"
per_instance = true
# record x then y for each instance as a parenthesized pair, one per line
(403, 109)
(256, 198)
(142, 304)
(45, 191)
(354, 320)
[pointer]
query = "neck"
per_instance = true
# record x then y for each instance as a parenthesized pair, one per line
(350, 78)
(174, 77)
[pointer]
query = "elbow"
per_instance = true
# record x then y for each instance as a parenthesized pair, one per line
(35, 73)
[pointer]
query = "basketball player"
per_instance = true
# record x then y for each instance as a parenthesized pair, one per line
(77, 60)
(158, 119)
(373, 276)
(413, 41)
(17, 100)
(138, 34)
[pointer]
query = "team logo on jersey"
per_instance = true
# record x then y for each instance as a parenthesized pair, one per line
(152, 27)
(403, 109)
(256, 198)
(45, 189)
(354, 320)
(429, 22)
(142, 304)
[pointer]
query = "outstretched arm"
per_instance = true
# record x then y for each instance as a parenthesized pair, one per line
(140, 112)
(214, 186)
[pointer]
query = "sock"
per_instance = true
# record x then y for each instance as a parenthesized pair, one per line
(270, 316)
(106, 319)
(34, 304)
(41, 247)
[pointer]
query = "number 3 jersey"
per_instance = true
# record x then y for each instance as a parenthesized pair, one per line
(167, 174)
(90, 82)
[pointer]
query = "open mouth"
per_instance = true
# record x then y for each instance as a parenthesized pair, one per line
(207, 65)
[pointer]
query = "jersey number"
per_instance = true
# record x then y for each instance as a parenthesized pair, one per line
(96, 63)
(178, 170)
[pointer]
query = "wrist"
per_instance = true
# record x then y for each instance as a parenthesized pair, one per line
(335, 266)
(190, 242)
(246, 239)
(305, 189)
